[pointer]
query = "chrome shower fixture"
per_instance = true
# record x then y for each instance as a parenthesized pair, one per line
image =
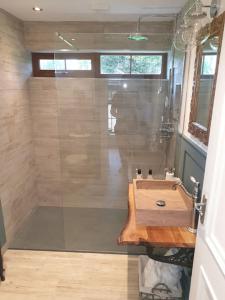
(137, 36)
(194, 19)
(198, 12)
(214, 8)
(64, 40)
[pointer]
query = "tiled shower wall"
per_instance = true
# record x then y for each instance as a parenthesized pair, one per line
(91, 134)
(89, 36)
(17, 187)
(80, 162)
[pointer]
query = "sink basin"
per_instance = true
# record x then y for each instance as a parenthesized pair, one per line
(162, 203)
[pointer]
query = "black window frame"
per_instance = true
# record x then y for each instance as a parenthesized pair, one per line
(37, 72)
(95, 59)
(163, 74)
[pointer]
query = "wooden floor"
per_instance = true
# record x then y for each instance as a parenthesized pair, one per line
(34, 275)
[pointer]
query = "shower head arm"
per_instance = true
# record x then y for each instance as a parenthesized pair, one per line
(139, 24)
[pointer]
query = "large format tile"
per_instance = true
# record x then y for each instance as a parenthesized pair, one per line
(74, 229)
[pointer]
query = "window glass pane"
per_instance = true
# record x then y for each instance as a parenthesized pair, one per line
(51, 64)
(79, 64)
(146, 64)
(47, 64)
(115, 64)
(209, 64)
(59, 64)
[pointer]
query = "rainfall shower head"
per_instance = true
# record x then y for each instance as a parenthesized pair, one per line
(137, 37)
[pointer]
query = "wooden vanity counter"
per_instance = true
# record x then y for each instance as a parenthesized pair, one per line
(133, 234)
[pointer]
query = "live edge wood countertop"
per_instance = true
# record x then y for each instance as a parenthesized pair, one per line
(134, 234)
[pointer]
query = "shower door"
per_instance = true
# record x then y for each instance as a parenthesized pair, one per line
(107, 128)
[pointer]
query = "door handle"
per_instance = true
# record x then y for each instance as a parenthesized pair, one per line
(201, 208)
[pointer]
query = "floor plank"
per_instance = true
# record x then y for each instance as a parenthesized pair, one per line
(35, 275)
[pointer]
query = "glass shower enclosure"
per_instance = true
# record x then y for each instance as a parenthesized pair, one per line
(99, 131)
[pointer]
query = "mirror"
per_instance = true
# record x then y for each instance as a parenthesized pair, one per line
(206, 67)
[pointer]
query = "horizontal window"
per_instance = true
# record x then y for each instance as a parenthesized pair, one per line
(100, 65)
(131, 64)
(51, 64)
(65, 64)
(146, 64)
(115, 64)
(78, 64)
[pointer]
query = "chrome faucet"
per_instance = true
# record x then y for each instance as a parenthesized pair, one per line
(195, 197)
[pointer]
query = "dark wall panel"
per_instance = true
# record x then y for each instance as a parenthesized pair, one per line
(190, 161)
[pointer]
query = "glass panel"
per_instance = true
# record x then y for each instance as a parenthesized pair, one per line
(78, 64)
(59, 64)
(107, 129)
(52, 65)
(209, 64)
(146, 64)
(93, 133)
(115, 64)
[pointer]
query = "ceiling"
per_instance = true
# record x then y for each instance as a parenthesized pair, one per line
(89, 10)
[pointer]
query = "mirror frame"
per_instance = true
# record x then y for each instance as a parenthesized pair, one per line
(215, 28)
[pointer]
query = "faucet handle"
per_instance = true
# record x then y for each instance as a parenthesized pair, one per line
(197, 183)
